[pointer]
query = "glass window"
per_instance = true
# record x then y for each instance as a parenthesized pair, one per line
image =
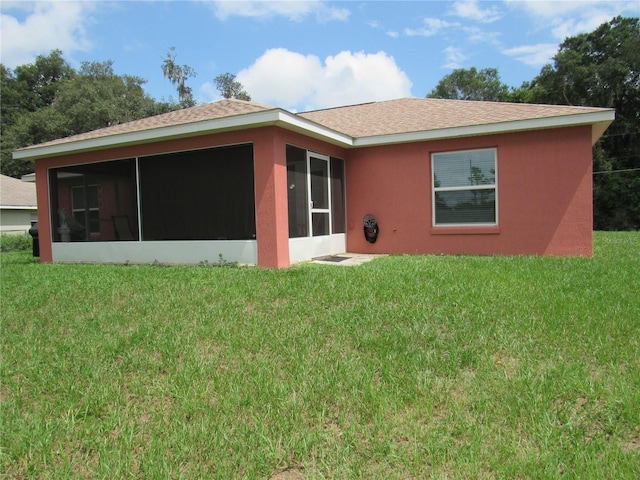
(465, 188)
(84, 204)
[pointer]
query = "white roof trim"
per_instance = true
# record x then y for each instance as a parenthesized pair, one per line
(489, 129)
(294, 122)
(290, 121)
(248, 120)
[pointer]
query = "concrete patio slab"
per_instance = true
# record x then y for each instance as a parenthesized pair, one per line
(347, 259)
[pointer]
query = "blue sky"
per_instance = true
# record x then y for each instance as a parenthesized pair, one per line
(304, 55)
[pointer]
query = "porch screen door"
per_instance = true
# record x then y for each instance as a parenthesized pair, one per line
(319, 194)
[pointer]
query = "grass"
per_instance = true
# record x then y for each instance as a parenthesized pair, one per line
(406, 367)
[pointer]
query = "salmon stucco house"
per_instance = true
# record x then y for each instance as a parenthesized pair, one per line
(261, 185)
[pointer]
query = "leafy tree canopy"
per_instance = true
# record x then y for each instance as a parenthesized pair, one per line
(39, 81)
(49, 99)
(602, 69)
(471, 84)
(229, 87)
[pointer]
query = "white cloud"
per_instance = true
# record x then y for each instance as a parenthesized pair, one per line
(470, 9)
(208, 92)
(533, 55)
(293, 10)
(562, 19)
(477, 35)
(431, 26)
(454, 57)
(378, 26)
(569, 18)
(551, 8)
(303, 82)
(46, 26)
(574, 26)
(281, 77)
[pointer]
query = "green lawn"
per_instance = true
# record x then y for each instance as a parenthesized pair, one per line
(405, 367)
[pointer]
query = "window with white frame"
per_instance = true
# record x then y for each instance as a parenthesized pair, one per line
(85, 206)
(465, 187)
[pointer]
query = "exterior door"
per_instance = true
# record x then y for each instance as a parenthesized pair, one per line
(319, 193)
(316, 201)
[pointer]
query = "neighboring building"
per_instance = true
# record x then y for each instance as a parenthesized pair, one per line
(260, 185)
(18, 206)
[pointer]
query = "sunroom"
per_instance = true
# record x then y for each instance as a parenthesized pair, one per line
(143, 209)
(190, 207)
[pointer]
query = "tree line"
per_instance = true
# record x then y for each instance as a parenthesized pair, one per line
(48, 99)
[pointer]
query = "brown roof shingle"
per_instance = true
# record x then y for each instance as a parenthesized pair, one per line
(405, 115)
(209, 111)
(408, 115)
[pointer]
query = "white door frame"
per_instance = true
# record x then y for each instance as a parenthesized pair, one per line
(313, 246)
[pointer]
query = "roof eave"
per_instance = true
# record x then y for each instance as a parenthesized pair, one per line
(600, 121)
(276, 117)
(298, 124)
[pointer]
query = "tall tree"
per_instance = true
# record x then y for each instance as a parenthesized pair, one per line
(39, 104)
(471, 84)
(178, 76)
(38, 82)
(602, 68)
(25, 90)
(229, 87)
(10, 97)
(99, 98)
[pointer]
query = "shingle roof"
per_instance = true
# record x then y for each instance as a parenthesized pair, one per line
(16, 193)
(357, 122)
(407, 115)
(209, 111)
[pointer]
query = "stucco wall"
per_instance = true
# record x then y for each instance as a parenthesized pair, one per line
(544, 196)
(544, 192)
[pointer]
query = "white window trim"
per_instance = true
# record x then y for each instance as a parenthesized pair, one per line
(435, 189)
(90, 209)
